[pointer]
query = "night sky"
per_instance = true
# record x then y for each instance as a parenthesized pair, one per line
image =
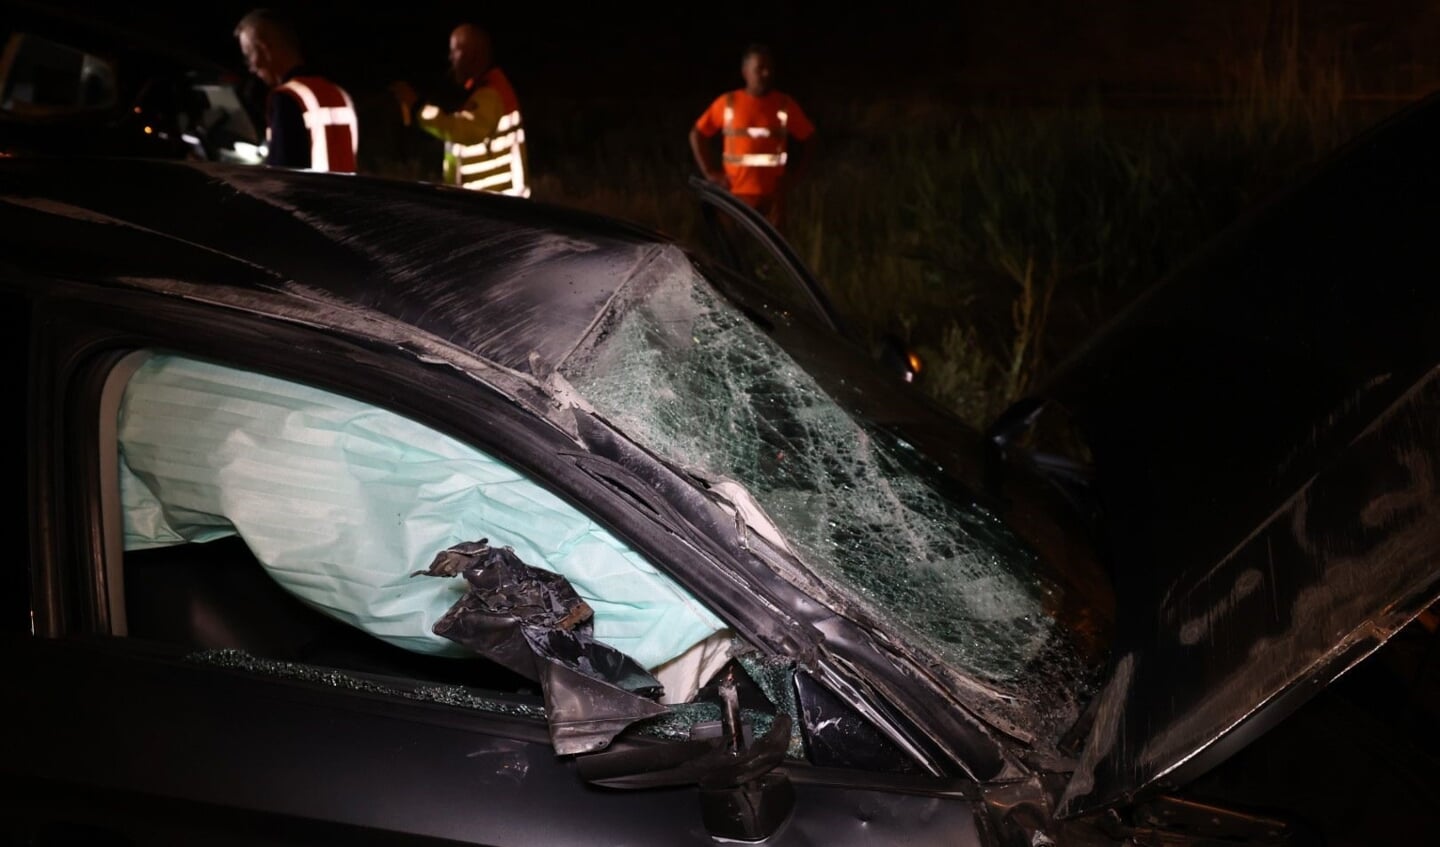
(584, 48)
(1036, 48)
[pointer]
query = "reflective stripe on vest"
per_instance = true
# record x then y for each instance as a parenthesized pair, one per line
(333, 127)
(755, 160)
(495, 164)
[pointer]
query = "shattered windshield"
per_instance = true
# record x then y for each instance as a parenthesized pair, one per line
(682, 372)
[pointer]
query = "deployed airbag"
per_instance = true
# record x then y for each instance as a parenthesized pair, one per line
(341, 501)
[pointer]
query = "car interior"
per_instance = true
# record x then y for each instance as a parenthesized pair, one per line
(210, 590)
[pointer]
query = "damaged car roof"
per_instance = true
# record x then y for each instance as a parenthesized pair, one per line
(528, 279)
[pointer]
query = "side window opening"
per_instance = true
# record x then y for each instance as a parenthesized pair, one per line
(258, 514)
(276, 528)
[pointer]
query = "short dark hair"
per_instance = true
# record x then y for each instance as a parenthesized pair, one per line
(271, 25)
(757, 48)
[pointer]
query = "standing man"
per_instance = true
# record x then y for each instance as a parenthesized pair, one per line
(484, 139)
(309, 121)
(757, 123)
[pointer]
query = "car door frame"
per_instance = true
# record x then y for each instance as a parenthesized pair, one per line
(97, 760)
(84, 323)
(716, 200)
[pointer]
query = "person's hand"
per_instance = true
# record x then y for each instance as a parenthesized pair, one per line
(719, 178)
(404, 93)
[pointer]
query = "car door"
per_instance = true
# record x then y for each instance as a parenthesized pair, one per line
(1264, 430)
(305, 733)
(136, 736)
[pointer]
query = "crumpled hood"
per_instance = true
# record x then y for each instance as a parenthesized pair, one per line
(1265, 426)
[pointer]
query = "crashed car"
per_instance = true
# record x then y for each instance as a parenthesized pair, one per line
(358, 509)
(71, 84)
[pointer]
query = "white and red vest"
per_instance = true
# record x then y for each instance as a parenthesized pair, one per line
(329, 118)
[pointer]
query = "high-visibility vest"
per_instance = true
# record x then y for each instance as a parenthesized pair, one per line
(329, 115)
(497, 163)
(764, 148)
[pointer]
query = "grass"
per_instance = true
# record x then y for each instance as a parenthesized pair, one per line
(991, 239)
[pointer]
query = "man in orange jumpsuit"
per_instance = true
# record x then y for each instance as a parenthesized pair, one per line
(757, 123)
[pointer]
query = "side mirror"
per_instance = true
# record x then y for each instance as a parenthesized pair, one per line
(740, 798)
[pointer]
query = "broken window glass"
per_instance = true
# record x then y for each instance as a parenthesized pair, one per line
(685, 374)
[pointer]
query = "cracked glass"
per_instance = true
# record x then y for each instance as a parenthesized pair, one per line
(684, 373)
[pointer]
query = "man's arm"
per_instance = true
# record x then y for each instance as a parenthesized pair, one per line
(289, 139)
(474, 122)
(705, 159)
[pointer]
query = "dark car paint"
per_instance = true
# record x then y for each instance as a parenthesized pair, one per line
(71, 588)
(148, 303)
(352, 254)
(500, 286)
(1265, 428)
(1112, 390)
(300, 763)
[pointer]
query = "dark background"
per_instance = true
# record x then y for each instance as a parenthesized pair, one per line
(1020, 48)
(587, 73)
(925, 207)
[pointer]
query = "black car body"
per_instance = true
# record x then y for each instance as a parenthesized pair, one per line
(931, 647)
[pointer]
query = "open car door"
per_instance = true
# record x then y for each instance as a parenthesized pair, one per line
(1265, 426)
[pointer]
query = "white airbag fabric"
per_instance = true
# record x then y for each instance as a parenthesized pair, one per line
(341, 502)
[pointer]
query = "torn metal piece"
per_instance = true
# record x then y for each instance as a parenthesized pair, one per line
(709, 763)
(1020, 814)
(531, 621)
